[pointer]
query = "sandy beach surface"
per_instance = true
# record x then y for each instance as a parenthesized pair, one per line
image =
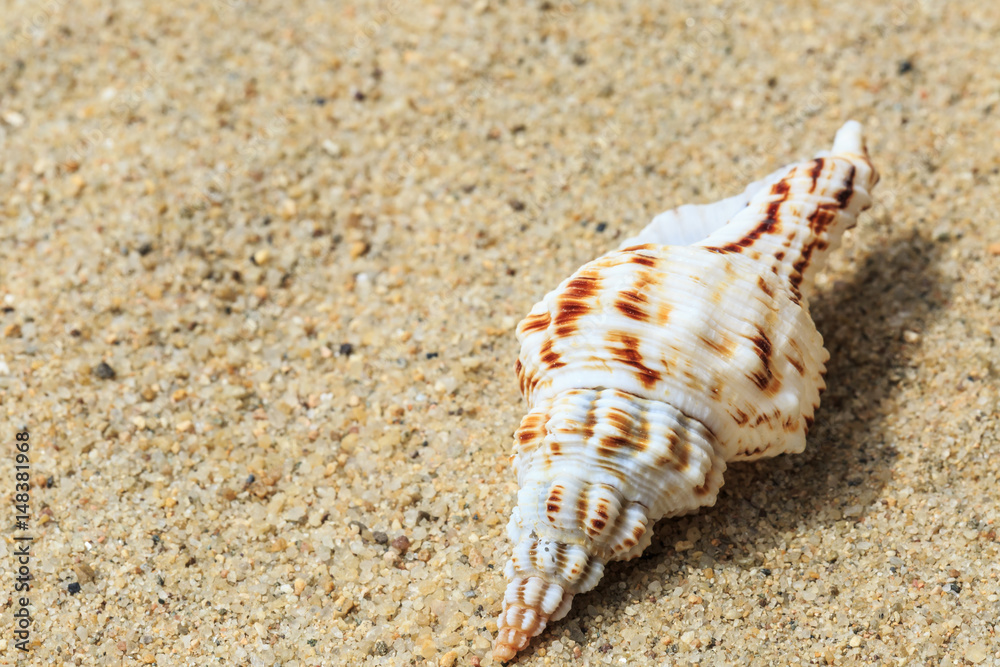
(260, 269)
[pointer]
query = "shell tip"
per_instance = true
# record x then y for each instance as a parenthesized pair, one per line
(508, 642)
(849, 139)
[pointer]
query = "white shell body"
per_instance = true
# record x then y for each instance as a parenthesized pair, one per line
(651, 367)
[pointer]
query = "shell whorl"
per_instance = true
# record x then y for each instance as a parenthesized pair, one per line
(581, 499)
(651, 367)
(654, 326)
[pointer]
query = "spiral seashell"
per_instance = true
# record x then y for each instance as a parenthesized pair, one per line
(653, 366)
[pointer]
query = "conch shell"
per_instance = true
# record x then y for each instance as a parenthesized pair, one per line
(653, 366)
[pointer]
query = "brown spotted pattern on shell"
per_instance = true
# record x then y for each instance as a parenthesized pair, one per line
(651, 367)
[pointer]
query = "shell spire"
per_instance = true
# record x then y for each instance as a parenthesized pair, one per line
(653, 366)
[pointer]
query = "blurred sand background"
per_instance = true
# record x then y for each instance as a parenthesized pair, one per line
(298, 237)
